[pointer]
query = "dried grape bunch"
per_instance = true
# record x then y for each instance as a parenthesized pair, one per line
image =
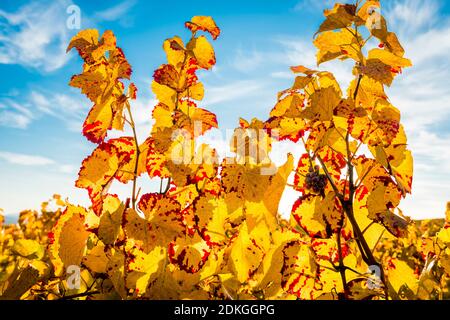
(316, 181)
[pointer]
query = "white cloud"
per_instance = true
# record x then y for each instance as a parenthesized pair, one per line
(423, 96)
(67, 168)
(66, 108)
(35, 36)
(240, 88)
(25, 160)
(13, 119)
(282, 75)
(28, 160)
(38, 103)
(247, 60)
(411, 16)
(22, 192)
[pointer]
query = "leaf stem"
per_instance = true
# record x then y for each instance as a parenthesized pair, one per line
(138, 153)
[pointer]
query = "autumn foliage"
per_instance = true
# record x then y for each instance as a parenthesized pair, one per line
(212, 230)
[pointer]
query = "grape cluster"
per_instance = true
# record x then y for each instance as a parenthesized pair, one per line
(315, 181)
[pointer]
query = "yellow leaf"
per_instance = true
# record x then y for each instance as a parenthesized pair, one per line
(115, 270)
(380, 202)
(196, 92)
(393, 44)
(444, 236)
(23, 281)
(299, 271)
(156, 165)
(251, 143)
(368, 8)
(68, 239)
(304, 70)
(29, 249)
(244, 180)
(360, 290)
(110, 220)
(194, 120)
(164, 94)
(277, 185)
(341, 16)
(389, 58)
(338, 44)
(167, 75)
(402, 278)
(383, 65)
(144, 268)
(161, 224)
(97, 172)
(301, 171)
(447, 214)
(372, 231)
(203, 52)
(128, 152)
(288, 106)
(86, 42)
(101, 82)
(245, 254)
(189, 252)
(369, 92)
(96, 260)
(175, 52)
(204, 23)
(155, 205)
(212, 216)
(396, 158)
(306, 213)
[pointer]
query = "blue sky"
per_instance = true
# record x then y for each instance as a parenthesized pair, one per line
(41, 147)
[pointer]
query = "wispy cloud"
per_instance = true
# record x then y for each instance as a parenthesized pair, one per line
(13, 119)
(70, 110)
(232, 91)
(423, 96)
(250, 60)
(247, 60)
(34, 161)
(25, 160)
(35, 36)
(119, 12)
(411, 16)
(20, 112)
(13, 114)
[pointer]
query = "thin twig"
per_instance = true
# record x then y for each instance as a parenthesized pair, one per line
(136, 165)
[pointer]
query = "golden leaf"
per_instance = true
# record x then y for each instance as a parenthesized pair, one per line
(203, 52)
(203, 23)
(68, 239)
